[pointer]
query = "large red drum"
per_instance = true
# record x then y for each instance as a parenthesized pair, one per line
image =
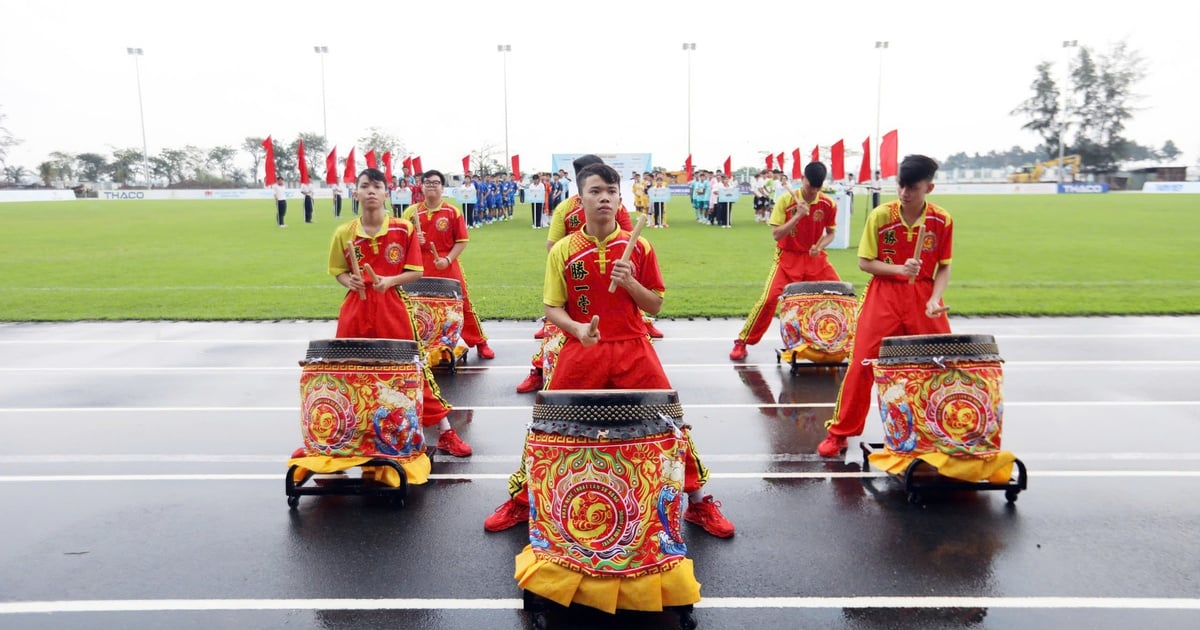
(437, 309)
(605, 484)
(816, 320)
(940, 400)
(361, 399)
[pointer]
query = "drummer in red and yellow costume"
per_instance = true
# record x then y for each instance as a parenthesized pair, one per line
(802, 228)
(891, 304)
(442, 235)
(389, 247)
(618, 355)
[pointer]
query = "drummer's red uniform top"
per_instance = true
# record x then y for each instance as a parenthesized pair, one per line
(568, 218)
(822, 216)
(890, 305)
(579, 270)
(443, 227)
(390, 252)
(893, 242)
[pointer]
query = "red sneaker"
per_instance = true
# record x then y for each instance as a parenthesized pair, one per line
(532, 383)
(707, 514)
(450, 442)
(739, 351)
(541, 332)
(832, 445)
(510, 514)
(652, 331)
(484, 351)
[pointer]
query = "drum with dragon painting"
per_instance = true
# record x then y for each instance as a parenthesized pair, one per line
(437, 310)
(816, 320)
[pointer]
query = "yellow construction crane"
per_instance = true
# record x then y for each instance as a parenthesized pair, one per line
(1032, 173)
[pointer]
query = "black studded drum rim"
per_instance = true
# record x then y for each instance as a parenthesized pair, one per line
(938, 348)
(360, 351)
(434, 287)
(819, 288)
(607, 414)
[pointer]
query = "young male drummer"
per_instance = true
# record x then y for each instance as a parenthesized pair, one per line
(892, 304)
(389, 246)
(802, 228)
(618, 355)
(443, 237)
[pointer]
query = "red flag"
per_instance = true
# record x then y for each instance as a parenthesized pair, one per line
(350, 175)
(416, 165)
(302, 162)
(729, 166)
(371, 161)
(796, 170)
(387, 166)
(466, 164)
(864, 171)
(687, 166)
(779, 160)
(331, 167)
(816, 156)
(770, 162)
(888, 154)
(837, 155)
(516, 166)
(269, 175)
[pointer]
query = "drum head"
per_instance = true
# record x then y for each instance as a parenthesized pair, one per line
(923, 348)
(438, 287)
(819, 288)
(609, 414)
(353, 350)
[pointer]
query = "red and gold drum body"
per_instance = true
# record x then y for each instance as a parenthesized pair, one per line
(437, 310)
(816, 320)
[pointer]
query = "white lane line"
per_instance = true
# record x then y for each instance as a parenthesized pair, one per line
(529, 408)
(529, 339)
(525, 368)
(729, 458)
(180, 605)
(1069, 474)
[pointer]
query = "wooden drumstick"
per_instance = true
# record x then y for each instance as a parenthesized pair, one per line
(796, 198)
(633, 239)
(594, 327)
(420, 232)
(369, 270)
(917, 251)
(941, 309)
(362, 293)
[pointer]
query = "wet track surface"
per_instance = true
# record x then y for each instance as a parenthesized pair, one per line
(142, 468)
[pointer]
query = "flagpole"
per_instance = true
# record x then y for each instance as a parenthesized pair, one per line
(321, 52)
(137, 52)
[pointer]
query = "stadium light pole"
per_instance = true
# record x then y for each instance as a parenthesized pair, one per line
(1062, 111)
(689, 47)
(504, 49)
(880, 46)
(135, 53)
(321, 52)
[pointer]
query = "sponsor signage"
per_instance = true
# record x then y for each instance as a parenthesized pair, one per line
(1082, 188)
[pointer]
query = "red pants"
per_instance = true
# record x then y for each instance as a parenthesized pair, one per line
(789, 267)
(628, 364)
(889, 308)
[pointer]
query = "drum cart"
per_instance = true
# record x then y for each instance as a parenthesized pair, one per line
(921, 477)
(344, 485)
(541, 609)
(784, 355)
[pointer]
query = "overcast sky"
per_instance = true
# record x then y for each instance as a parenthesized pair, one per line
(582, 76)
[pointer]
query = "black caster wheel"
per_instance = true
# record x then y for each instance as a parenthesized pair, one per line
(686, 619)
(1011, 495)
(293, 502)
(540, 622)
(914, 498)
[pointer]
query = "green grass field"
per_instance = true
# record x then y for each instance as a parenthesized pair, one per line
(1109, 254)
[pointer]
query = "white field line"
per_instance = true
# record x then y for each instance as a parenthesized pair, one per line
(179, 605)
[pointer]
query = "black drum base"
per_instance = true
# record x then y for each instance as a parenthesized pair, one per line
(448, 359)
(921, 478)
(789, 356)
(545, 614)
(344, 485)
